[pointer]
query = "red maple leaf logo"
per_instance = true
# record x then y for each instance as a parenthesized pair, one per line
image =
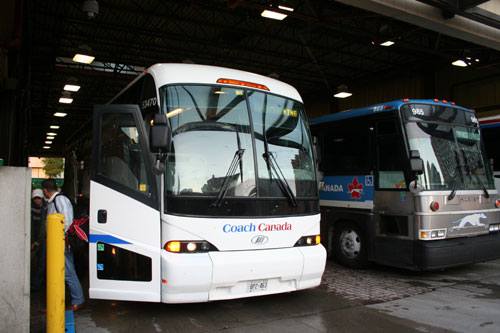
(355, 189)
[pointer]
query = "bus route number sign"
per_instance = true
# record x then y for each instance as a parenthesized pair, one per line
(256, 285)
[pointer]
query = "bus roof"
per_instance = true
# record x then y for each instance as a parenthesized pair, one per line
(487, 122)
(191, 73)
(378, 108)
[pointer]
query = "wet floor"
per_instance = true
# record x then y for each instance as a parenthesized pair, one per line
(379, 299)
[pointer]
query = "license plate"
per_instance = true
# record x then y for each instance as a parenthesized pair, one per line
(256, 285)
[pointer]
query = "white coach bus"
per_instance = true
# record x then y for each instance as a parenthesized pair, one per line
(203, 188)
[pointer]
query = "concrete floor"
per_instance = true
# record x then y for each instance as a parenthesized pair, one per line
(379, 299)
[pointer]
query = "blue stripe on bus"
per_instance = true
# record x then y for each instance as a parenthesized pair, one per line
(107, 239)
(377, 108)
(489, 125)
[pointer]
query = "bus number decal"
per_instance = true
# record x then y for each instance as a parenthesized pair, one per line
(148, 103)
(418, 112)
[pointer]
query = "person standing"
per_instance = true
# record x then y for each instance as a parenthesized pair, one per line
(58, 203)
(38, 237)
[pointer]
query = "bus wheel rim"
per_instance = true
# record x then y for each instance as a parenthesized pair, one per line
(350, 243)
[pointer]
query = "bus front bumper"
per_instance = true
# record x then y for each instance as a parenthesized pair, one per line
(189, 278)
(430, 255)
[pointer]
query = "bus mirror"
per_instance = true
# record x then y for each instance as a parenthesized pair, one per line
(416, 163)
(320, 179)
(316, 150)
(159, 140)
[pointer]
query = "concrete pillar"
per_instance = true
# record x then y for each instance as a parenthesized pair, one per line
(15, 224)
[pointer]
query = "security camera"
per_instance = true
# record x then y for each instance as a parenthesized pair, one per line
(90, 8)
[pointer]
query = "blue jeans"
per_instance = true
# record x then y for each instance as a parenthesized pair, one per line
(72, 280)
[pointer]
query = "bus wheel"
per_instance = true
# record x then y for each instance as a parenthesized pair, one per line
(349, 245)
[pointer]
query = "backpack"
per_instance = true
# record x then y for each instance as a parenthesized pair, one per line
(77, 234)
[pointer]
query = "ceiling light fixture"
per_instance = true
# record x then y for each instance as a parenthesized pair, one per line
(51, 134)
(46, 147)
(83, 58)
(66, 98)
(50, 137)
(273, 15)
(459, 63)
(48, 142)
(387, 43)
(54, 126)
(342, 92)
(71, 87)
(60, 114)
(290, 9)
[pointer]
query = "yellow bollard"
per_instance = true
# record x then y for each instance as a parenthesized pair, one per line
(55, 273)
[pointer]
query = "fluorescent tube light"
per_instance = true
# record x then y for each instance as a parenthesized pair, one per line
(83, 59)
(65, 100)
(71, 87)
(273, 15)
(290, 9)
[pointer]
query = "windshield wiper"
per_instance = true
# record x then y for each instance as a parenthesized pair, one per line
(472, 171)
(459, 167)
(272, 164)
(452, 194)
(283, 184)
(237, 159)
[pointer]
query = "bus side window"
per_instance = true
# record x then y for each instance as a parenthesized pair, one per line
(390, 156)
(121, 156)
(347, 151)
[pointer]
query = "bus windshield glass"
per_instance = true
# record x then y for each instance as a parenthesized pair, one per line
(219, 137)
(449, 144)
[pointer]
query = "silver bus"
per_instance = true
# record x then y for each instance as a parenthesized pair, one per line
(490, 133)
(407, 184)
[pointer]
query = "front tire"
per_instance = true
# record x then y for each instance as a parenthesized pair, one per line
(349, 245)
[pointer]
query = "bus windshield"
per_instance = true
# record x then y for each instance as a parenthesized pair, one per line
(220, 136)
(448, 141)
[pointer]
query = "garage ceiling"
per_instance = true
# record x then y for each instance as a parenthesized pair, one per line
(320, 45)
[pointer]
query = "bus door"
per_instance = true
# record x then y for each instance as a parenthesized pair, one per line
(393, 203)
(124, 249)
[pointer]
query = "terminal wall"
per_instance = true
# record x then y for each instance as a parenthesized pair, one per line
(15, 186)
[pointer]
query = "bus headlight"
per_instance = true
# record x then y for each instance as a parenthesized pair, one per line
(494, 227)
(432, 234)
(308, 240)
(189, 246)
